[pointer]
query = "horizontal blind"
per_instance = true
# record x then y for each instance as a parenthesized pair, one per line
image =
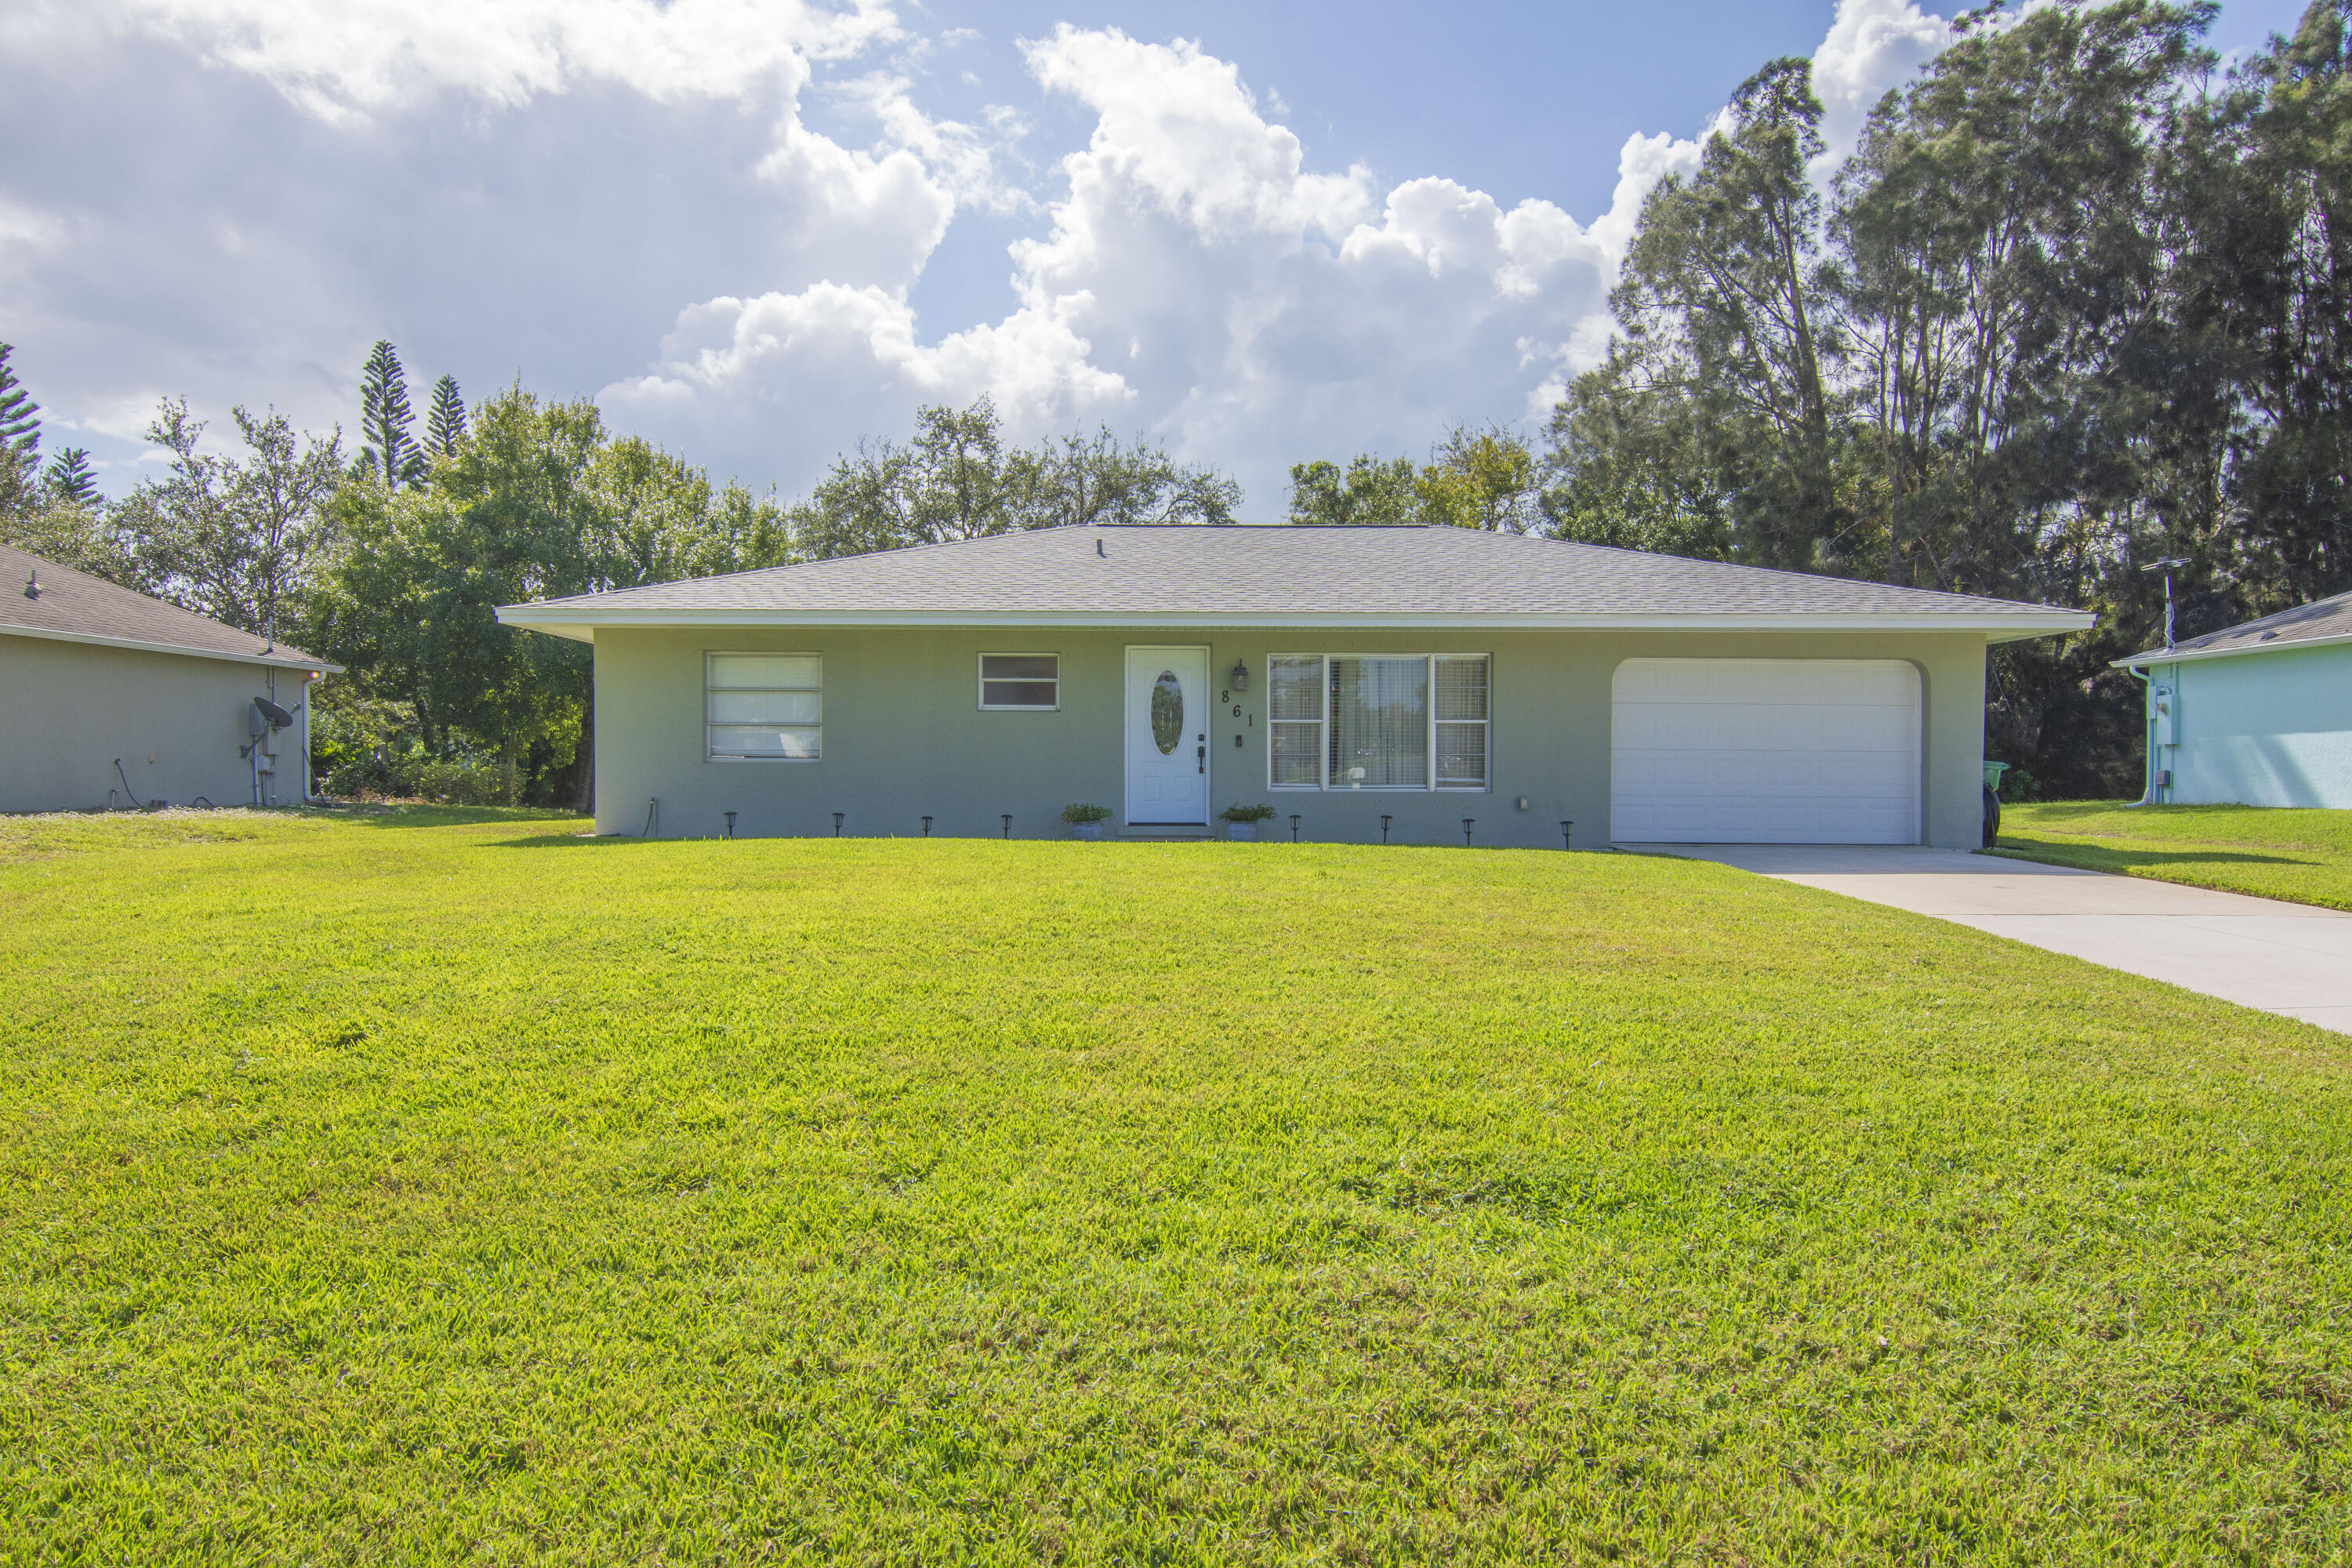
(1294, 706)
(763, 705)
(1459, 711)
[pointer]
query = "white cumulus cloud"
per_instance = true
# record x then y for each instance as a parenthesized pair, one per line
(1198, 279)
(1873, 45)
(339, 57)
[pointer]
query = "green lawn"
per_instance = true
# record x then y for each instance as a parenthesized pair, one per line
(2302, 856)
(444, 1185)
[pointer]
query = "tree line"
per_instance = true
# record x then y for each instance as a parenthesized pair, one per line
(391, 561)
(2074, 306)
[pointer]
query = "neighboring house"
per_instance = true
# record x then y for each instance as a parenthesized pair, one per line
(2260, 714)
(1369, 681)
(111, 698)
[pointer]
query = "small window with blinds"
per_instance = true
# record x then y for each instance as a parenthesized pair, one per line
(1295, 708)
(1377, 722)
(1459, 720)
(763, 707)
(1021, 682)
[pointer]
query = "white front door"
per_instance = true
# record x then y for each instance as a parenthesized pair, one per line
(1168, 737)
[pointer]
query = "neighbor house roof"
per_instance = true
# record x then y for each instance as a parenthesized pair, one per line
(39, 598)
(1200, 576)
(2316, 625)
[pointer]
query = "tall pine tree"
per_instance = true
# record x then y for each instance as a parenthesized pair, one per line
(386, 448)
(20, 437)
(444, 422)
(68, 478)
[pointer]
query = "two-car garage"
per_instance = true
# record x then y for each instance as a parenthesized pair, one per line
(1765, 750)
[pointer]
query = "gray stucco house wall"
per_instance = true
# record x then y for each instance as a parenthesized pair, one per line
(111, 698)
(1550, 628)
(2259, 714)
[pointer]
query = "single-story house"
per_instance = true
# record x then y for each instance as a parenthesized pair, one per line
(1417, 684)
(2260, 714)
(111, 698)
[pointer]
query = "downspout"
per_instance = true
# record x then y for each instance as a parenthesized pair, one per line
(2147, 730)
(308, 683)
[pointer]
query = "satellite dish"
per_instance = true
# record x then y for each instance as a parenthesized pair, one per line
(279, 718)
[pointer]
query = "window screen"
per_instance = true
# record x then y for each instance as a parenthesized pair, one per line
(1295, 719)
(1460, 714)
(1030, 680)
(763, 705)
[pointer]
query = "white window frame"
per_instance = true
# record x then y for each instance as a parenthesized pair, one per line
(1323, 728)
(980, 684)
(708, 754)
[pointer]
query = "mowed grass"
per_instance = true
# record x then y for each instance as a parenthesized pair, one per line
(2302, 856)
(423, 1188)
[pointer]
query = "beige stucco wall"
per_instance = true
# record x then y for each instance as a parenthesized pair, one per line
(903, 735)
(68, 710)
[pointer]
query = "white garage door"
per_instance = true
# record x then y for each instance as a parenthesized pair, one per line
(1765, 750)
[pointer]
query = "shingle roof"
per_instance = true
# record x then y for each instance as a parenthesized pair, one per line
(2322, 620)
(78, 607)
(1225, 575)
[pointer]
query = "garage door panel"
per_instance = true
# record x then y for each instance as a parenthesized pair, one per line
(1766, 751)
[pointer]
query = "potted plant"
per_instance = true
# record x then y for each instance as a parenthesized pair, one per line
(1086, 821)
(1241, 821)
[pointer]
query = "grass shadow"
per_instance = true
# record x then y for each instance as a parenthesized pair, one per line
(450, 815)
(573, 840)
(2105, 855)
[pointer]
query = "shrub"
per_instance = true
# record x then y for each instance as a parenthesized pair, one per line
(1075, 815)
(415, 776)
(1247, 814)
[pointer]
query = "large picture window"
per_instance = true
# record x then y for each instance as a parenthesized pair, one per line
(763, 705)
(1022, 682)
(1378, 721)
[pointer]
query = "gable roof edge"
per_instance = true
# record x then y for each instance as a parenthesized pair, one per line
(273, 660)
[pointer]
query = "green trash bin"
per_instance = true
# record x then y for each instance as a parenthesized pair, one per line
(1992, 776)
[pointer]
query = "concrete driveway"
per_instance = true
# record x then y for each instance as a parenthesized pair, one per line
(2258, 952)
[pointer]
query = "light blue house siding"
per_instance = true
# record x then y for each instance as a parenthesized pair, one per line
(2266, 728)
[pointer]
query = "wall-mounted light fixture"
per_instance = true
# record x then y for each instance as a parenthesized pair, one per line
(1240, 682)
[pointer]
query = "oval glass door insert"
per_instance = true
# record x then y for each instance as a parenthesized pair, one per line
(1167, 712)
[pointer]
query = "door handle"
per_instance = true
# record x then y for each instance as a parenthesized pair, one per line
(1202, 755)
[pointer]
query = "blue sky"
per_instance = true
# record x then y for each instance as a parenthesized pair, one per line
(757, 229)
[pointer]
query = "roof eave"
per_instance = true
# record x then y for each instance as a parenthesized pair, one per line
(2199, 656)
(580, 624)
(135, 644)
